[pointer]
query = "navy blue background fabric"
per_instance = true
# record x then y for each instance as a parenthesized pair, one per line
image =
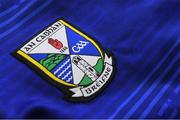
(144, 36)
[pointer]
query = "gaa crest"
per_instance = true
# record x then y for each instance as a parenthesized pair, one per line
(70, 60)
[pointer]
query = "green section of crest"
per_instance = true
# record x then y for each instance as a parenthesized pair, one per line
(52, 61)
(85, 81)
(98, 67)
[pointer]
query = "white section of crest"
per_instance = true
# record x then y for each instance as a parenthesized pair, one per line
(45, 47)
(33, 43)
(77, 73)
(92, 60)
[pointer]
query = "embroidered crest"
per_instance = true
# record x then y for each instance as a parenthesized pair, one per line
(70, 60)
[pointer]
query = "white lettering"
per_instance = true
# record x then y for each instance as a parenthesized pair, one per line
(77, 48)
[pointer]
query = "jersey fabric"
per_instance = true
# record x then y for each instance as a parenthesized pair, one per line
(143, 35)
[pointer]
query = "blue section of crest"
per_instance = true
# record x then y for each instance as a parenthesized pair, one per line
(38, 57)
(64, 70)
(79, 45)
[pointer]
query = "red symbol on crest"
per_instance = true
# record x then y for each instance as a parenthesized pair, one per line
(55, 43)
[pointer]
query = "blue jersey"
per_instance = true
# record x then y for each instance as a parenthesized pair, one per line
(143, 36)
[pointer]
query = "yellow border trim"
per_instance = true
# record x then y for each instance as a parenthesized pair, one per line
(27, 57)
(82, 34)
(42, 68)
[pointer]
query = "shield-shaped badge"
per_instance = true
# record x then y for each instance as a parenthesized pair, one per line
(70, 60)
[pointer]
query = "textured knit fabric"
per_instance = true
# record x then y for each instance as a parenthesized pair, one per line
(143, 35)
